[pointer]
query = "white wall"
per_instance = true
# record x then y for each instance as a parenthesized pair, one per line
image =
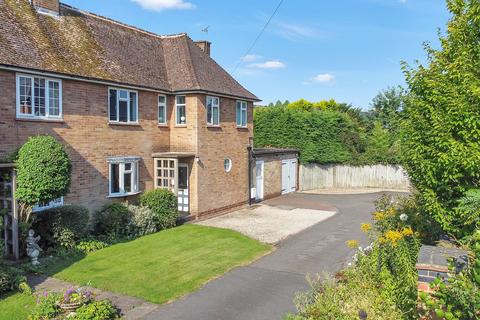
(316, 176)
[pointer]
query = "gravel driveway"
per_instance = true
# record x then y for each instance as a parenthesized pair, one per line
(270, 222)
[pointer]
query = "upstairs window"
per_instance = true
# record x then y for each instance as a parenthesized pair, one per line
(180, 110)
(123, 176)
(39, 97)
(213, 111)
(241, 114)
(122, 106)
(162, 109)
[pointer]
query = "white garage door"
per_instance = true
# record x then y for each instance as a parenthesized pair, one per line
(289, 175)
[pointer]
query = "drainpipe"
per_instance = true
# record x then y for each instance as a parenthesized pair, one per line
(250, 159)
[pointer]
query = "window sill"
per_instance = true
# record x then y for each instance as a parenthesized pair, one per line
(123, 195)
(214, 126)
(162, 125)
(29, 119)
(242, 128)
(131, 124)
(180, 126)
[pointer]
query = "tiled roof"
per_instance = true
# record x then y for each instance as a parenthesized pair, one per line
(82, 44)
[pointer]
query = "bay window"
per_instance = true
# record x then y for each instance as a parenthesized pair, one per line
(123, 176)
(122, 106)
(213, 111)
(39, 97)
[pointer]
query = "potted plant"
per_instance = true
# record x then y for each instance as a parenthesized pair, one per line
(74, 299)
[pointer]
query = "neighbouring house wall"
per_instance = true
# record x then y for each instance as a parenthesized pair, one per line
(217, 189)
(316, 176)
(87, 135)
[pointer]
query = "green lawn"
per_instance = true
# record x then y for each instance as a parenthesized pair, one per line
(165, 265)
(16, 306)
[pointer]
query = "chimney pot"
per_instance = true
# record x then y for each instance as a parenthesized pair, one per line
(204, 45)
(46, 6)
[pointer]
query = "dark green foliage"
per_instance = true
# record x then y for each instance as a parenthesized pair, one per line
(321, 136)
(96, 310)
(380, 147)
(43, 170)
(164, 205)
(10, 278)
(441, 130)
(112, 220)
(62, 226)
(468, 211)
(47, 307)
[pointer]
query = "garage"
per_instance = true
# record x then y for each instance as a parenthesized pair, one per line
(274, 172)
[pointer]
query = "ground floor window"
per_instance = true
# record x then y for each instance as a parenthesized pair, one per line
(123, 176)
(165, 173)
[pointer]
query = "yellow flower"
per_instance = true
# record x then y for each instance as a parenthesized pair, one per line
(365, 227)
(379, 215)
(352, 244)
(407, 232)
(393, 236)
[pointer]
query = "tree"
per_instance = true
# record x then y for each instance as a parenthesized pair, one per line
(387, 107)
(43, 172)
(441, 130)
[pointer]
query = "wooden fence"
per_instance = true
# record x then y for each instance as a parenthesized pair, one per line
(316, 176)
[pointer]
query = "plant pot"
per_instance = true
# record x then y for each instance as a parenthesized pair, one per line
(70, 307)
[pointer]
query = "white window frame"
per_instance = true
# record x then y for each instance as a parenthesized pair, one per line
(164, 105)
(211, 122)
(118, 105)
(243, 107)
(177, 105)
(52, 204)
(121, 161)
(32, 115)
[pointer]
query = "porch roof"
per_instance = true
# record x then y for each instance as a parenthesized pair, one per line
(173, 155)
(268, 151)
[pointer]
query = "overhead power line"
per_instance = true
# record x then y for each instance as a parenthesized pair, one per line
(258, 36)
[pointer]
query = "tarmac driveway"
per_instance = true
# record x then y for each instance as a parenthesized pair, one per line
(266, 288)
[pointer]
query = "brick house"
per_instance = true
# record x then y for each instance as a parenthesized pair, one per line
(135, 110)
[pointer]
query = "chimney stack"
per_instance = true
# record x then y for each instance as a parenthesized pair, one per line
(46, 6)
(204, 45)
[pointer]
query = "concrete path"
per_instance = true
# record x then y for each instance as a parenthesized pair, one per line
(266, 288)
(130, 308)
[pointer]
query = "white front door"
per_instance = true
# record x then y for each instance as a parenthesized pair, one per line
(259, 180)
(289, 175)
(183, 188)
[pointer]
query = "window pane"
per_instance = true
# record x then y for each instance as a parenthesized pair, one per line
(209, 112)
(115, 174)
(54, 98)
(25, 95)
(181, 116)
(122, 111)
(133, 106)
(123, 94)
(244, 117)
(180, 99)
(128, 166)
(162, 99)
(127, 181)
(239, 114)
(161, 114)
(113, 105)
(216, 116)
(39, 94)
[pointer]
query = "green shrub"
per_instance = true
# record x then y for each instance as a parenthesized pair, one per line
(144, 221)
(90, 245)
(47, 307)
(112, 220)
(62, 226)
(164, 205)
(10, 278)
(43, 170)
(96, 310)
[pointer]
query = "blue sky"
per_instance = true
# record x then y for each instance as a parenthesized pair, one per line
(314, 49)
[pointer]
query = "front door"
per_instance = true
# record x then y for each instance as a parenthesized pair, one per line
(259, 180)
(183, 188)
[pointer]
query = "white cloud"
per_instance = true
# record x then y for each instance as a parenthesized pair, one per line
(323, 78)
(159, 5)
(251, 58)
(294, 31)
(271, 64)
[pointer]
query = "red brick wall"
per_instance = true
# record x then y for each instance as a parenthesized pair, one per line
(90, 140)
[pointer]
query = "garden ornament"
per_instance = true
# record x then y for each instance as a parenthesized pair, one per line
(33, 249)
